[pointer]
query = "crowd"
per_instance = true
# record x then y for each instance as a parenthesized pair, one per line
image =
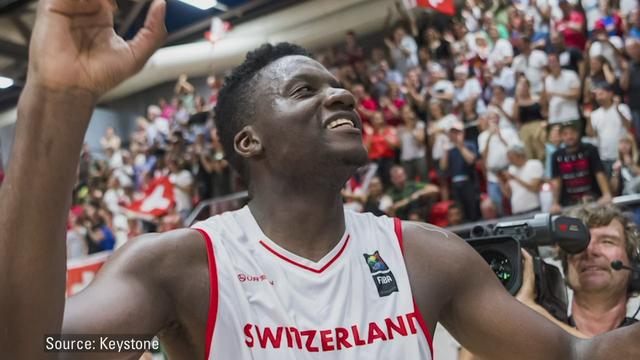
(465, 118)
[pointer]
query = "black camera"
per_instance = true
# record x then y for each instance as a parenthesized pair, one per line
(500, 247)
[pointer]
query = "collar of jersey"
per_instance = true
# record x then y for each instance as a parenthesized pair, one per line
(295, 260)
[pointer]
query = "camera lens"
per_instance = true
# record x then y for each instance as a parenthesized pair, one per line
(500, 265)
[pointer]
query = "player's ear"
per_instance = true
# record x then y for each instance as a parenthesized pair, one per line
(247, 143)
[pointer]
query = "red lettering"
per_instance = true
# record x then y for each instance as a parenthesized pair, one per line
(268, 337)
(289, 340)
(310, 334)
(375, 333)
(400, 328)
(356, 336)
(326, 340)
(297, 336)
(342, 335)
(247, 334)
(412, 326)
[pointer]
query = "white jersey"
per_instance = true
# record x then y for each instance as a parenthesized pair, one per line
(267, 303)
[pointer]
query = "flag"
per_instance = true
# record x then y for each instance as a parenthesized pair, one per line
(443, 6)
(81, 271)
(157, 201)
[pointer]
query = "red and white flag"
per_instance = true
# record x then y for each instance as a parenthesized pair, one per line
(444, 6)
(219, 28)
(157, 201)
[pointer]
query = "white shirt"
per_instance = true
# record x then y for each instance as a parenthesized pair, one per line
(183, 179)
(441, 141)
(609, 127)
(523, 200)
(532, 68)
(411, 147)
(271, 304)
(497, 155)
(470, 89)
(502, 50)
(562, 109)
(402, 61)
(507, 107)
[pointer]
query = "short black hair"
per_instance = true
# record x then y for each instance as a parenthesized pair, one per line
(235, 107)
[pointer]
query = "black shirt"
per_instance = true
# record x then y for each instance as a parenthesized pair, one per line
(634, 86)
(577, 171)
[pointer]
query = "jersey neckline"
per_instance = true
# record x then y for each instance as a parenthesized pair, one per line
(291, 258)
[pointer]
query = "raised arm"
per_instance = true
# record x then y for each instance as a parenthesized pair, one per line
(75, 57)
(464, 294)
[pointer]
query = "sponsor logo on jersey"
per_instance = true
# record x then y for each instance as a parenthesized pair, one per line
(382, 277)
(254, 278)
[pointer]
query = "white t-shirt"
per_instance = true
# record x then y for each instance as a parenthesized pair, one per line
(562, 109)
(403, 62)
(497, 156)
(523, 200)
(532, 67)
(470, 89)
(411, 147)
(502, 50)
(507, 107)
(609, 127)
(441, 141)
(443, 87)
(183, 198)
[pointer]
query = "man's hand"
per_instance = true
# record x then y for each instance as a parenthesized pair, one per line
(527, 292)
(555, 208)
(74, 45)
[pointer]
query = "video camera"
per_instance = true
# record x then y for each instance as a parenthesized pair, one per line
(500, 247)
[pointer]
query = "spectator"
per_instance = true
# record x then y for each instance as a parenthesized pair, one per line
(504, 76)
(571, 26)
(562, 91)
(522, 181)
(630, 82)
(625, 179)
(459, 162)
(607, 47)
(610, 21)
(185, 93)
(159, 124)
(503, 106)
(570, 58)
(407, 195)
(182, 181)
(455, 215)
(467, 90)
(531, 62)
(554, 142)
(528, 113)
(488, 209)
(493, 144)
(110, 140)
(376, 201)
(403, 49)
(439, 48)
(365, 105)
(391, 104)
(600, 73)
(437, 129)
(413, 152)
(577, 172)
(441, 88)
(381, 141)
(608, 124)
(502, 50)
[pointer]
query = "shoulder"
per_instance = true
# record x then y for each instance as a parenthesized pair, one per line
(163, 252)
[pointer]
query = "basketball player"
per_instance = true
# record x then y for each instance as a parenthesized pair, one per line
(291, 276)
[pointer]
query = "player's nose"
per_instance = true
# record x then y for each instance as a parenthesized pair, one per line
(338, 98)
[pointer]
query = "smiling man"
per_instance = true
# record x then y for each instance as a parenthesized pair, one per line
(600, 294)
(291, 276)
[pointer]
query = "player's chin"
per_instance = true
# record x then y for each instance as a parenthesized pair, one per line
(357, 156)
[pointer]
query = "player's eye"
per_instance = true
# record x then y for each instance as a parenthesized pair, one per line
(303, 90)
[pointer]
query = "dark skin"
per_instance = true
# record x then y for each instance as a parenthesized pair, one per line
(296, 95)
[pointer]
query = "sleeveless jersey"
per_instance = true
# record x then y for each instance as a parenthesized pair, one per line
(267, 303)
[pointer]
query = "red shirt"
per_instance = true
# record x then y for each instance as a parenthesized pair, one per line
(369, 104)
(380, 148)
(393, 120)
(573, 38)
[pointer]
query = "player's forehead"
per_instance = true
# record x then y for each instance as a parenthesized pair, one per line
(292, 68)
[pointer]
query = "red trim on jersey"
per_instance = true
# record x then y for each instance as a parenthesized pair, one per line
(317, 271)
(213, 291)
(397, 226)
